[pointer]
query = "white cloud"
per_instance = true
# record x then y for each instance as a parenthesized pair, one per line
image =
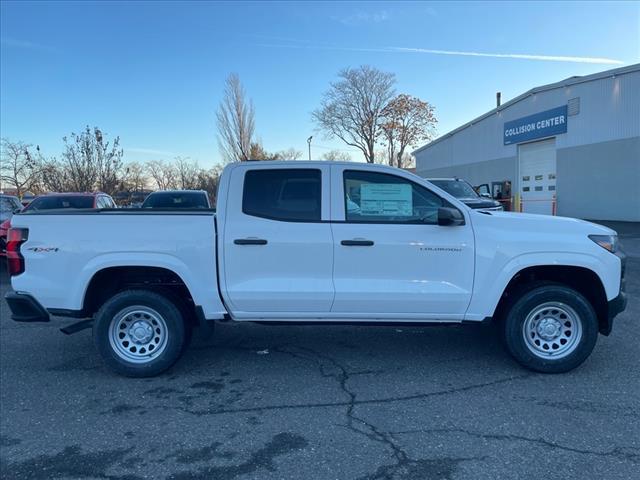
(514, 56)
(520, 56)
(24, 44)
(362, 17)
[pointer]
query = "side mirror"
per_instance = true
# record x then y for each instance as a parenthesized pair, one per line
(450, 217)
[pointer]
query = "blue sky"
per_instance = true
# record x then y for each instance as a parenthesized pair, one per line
(153, 73)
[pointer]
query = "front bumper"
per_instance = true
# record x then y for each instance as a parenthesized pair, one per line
(618, 304)
(25, 308)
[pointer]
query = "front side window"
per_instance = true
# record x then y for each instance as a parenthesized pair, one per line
(292, 195)
(382, 198)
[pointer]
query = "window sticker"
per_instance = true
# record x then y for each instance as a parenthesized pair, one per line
(386, 199)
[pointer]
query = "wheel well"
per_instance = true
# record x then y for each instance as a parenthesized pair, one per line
(109, 281)
(581, 279)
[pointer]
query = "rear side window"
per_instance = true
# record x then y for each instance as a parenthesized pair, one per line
(292, 195)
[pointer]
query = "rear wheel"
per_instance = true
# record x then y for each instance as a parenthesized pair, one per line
(550, 328)
(139, 333)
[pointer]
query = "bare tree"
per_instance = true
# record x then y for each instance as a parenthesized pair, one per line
(406, 121)
(135, 177)
(55, 177)
(187, 172)
(91, 163)
(235, 119)
(19, 167)
(208, 181)
(257, 152)
(162, 173)
(109, 161)
(352, 107)
(337, 155)
(289, 154)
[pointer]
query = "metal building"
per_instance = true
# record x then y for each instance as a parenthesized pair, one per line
(570, 148)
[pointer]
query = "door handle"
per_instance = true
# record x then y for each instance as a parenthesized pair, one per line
(357, 243)
(250, 241)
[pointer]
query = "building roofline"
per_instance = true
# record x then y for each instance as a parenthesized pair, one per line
(544, 88)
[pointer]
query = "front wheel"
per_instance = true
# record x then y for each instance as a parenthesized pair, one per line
(551, 329)
(139, 333)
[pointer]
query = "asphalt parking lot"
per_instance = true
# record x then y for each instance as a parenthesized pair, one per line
(322, 403)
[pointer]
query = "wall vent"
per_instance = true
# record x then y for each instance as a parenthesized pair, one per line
(573, 106)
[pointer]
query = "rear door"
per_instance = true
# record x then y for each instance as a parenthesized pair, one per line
(392, 259)
(278, 245)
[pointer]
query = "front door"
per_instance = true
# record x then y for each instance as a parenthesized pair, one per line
(278, 253)
(392, 260)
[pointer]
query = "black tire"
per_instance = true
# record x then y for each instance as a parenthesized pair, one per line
(566, 311)
(150, 310)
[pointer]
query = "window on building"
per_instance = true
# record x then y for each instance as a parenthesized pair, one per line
(283, 194)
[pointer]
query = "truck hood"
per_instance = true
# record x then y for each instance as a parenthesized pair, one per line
(528, 221)
(477, 203)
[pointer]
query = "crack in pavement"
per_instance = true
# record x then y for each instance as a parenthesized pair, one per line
(617, 452)
(372, 401)
(404, 466)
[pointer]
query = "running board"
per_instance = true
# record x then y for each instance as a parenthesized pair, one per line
(78, 326)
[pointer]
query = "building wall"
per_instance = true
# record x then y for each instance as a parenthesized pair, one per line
(597, 155)
(600, 181)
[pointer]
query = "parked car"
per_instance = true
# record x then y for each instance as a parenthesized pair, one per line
(177, 199)
(317, 242)
(9, 205)
(464, 192)
(51, 201)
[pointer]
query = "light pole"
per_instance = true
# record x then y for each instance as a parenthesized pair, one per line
(309, 142)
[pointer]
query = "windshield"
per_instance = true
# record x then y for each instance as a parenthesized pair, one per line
(183, 200)
(60, 201)
(457, 188)
(9, 204)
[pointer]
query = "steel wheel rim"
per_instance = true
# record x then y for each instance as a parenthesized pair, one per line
(552, 330)
(138, 334)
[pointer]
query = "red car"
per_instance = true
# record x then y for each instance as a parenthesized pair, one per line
(52, 201)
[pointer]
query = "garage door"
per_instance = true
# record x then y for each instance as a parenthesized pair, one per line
(538, 177)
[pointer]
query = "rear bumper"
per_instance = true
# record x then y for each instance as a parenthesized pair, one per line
(25, 308)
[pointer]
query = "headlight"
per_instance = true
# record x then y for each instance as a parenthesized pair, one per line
(608, 242)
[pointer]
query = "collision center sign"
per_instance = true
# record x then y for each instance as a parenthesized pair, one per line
(544, 124)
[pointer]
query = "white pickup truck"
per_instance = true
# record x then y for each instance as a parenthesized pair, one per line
(316, 242)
